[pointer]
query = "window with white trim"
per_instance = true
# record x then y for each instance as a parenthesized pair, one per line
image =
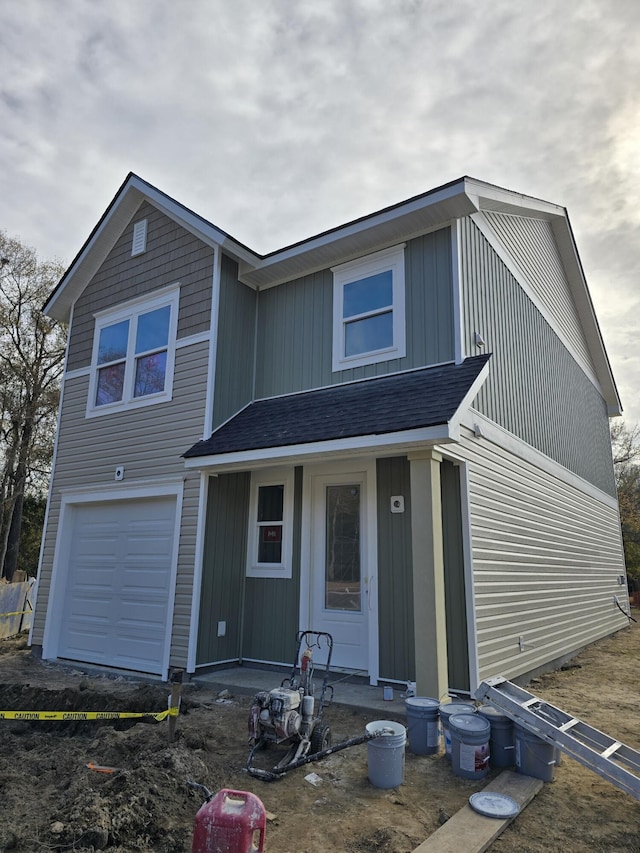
(270, 540)
(368, 310)
(133, 354)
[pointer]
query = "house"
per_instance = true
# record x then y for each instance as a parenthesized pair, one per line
(395, 431)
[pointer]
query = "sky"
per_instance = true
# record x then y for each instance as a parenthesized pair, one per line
(278, 119)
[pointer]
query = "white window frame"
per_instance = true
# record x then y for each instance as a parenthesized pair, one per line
(271, 477)
(131, 311)
(392, 260)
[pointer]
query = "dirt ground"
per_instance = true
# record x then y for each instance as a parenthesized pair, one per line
(51, 801)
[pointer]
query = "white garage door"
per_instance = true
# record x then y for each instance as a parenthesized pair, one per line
(117, 595)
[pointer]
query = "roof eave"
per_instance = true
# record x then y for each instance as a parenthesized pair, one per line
(116, 217)
(387, 227)
(297, 454)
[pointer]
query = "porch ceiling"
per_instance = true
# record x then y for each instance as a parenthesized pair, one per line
(393, 405)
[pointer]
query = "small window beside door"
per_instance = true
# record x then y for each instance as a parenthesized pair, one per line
(270, 524)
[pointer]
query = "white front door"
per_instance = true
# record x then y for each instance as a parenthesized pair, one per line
(339, 583)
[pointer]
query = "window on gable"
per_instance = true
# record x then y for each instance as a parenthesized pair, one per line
(139, 243)
(368, 310)
(134, 354)
(270, 524)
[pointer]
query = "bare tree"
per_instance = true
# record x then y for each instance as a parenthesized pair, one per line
(625, 442)
(32, 351)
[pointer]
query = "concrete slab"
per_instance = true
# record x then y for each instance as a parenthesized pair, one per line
(347, 690)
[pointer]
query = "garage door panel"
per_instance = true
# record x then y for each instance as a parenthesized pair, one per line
(120, 570)
(87, 607)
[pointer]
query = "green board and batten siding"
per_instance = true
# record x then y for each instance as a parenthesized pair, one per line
(395, 580)
(261, 615)
(223, 567)
(235, 357)
(454, 577)
(535, 389)
(295, 323)
(272, 606)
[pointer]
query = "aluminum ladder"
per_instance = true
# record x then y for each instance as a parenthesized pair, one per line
(606, 756)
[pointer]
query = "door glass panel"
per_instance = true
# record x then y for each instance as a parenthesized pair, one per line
(342, 587)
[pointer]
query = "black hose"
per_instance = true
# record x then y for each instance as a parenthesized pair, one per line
(272, 775)
(622, 610)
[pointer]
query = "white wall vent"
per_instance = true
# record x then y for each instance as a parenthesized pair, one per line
(139, 237)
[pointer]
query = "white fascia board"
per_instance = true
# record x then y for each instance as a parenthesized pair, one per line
(490, 197)
(110, 227)
(496, 434)
(361, 237)
(298, 453)
(468, 399)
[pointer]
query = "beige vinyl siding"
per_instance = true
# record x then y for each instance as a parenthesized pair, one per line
(546, 558)
(531, 244)
(173, 255)
(149, 443)
(535, 389)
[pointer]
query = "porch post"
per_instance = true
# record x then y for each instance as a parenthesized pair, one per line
(429, 615)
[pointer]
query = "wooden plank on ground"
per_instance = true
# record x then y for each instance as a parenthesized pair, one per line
(474, 833)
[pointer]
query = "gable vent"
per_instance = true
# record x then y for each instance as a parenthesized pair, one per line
(139, 237)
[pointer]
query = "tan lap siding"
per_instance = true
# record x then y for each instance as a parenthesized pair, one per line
(547, 556)
(149, 443)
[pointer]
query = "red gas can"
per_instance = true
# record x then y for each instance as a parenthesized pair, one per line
(231, 822)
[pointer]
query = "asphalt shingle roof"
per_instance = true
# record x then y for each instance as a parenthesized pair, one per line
(403, 401)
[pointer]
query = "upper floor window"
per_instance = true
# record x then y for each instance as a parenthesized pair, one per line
(271, 524)
(368, 309)
(133, 354)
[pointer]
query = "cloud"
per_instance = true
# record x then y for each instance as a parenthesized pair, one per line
(279, 119)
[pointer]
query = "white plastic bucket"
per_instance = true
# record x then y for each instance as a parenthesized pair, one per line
(385, 754)
(422, 723)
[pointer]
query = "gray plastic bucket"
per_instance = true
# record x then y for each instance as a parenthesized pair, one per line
(385, 754)
(422, 723)
(470, 735)
(534, 756)
(501, 742)
(446, 711)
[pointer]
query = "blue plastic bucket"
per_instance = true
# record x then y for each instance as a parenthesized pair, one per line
(470, 735)
(385, 754)
(534, 756)
(501, 742)
(422, 723)
(447, 709)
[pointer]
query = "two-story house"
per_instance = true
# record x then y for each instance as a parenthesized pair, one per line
(395, 431)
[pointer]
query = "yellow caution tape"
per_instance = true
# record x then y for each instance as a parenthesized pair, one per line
(80, 716)
(17, 613)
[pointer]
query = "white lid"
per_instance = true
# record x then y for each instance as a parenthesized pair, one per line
(494, 805)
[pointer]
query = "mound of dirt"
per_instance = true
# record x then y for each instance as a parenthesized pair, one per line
(52, 801)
